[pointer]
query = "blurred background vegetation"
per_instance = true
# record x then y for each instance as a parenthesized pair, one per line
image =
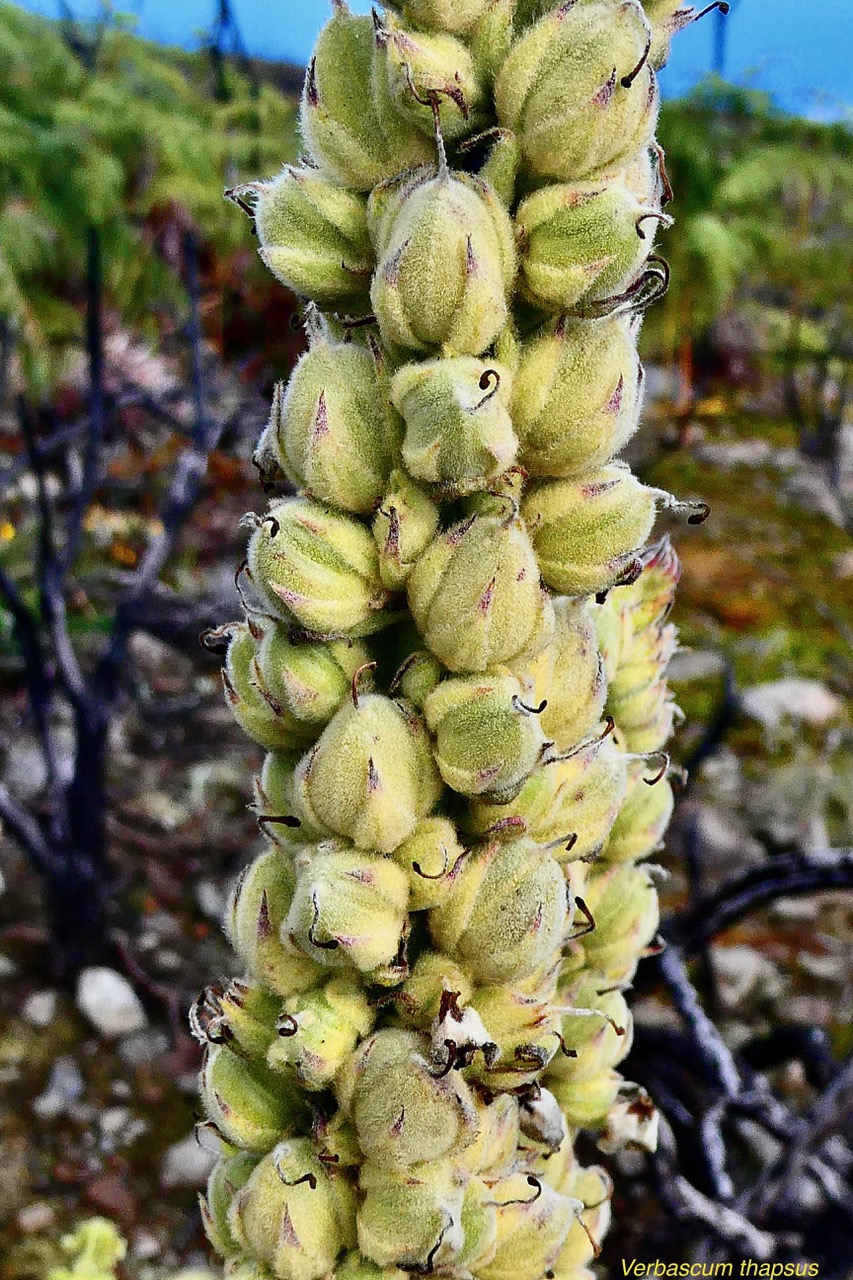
(139, 343)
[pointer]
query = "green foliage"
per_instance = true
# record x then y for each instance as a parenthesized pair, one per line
(135, 141)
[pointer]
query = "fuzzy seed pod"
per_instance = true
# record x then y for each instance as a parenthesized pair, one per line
(624, 905)
(596, 1028)
(256, 913)
(411, 1218)
(295, 1214)
(525, 1028)
(371, 775)
(318, 567)
(642, 819)
(582, 243)
(568, 676)
(454, 16)
(458, 429)
(576, 396)
(254, 708)
(495, 1149)
(490, 40)
(533, 1221)
(487, 740)
(352, 128)
(578, 90)
(506, 913)
(403, 527)
(333, 430)
(405, 1112)
(586, 533)
(356, 1267)
(427, 986)
(446, 260)
(348, 909)
(428, 857)
(313, 235)
(243, 1015)
(418, 676)
(416, 70)
(476, 597)
(318, 1031)
(226, 1178)
(249, 1104)
(307, 682)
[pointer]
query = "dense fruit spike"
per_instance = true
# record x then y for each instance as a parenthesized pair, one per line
(455, 657)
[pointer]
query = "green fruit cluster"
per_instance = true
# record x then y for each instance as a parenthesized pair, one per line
(455, 658)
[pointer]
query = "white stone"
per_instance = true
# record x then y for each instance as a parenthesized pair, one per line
(34, 1218)
(109, 1002)
(186, 1164)
(39, 1009)
(808, 701)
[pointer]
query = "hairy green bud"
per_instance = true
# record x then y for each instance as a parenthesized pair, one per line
(254, 708)
(624, 905)
(403, 527)
(487, 740)
(426, 988)
(495, 1149)
(334, 432)
(446, 260)
(256, 913)
(455, 16)
(576, 396)
(371, 775)
(581, 243)
(506, 912)
(578, 90)
(295, 1213)
(458, 429)
(356, 1267)
(586, 533)
(524, 1026)
(420, 70)
(313, 235)
(319, 568)
(411, 1218)
(318, 1031)
(403, 1110)
(642, 819)
(428, 856)
(533, 1221)
(568, 676)
(348, 909)
(226, 1178)
(350, 125)
(595, 1025)
(307, 682)
(476, 596)
(248, 1104)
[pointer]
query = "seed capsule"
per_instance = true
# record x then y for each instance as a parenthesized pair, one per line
(334, 432)
(586, 533)
(476, 597)
(533, 1221)
(249, 1104)
(243, 1015)
(427, 857)
(568, 676)
(595, 1024)
(348, 909)
(318, 567)
(313, 235)
(404, 1113)
(487, 740)
(411, 1218)
(581, 242)
(455, 16)
(578, 90)
(585, 1103)
(642, 819)
(576, 396)
(308, 682)
(295, 1214)
(226, 1178)
(256, 912)
(506, 913)
(420, 71)
(371, 775)
(404, 525)
(356, 1267)
(495, 1149)
(349, 124)
(253, 706)
(491, 39)
(318, 1031)
(458, 429)
(446, 260)
(569, 805)
(624, 904)
(426, 988)
(525, 1028)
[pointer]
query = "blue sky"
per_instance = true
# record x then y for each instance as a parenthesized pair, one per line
(799, 50)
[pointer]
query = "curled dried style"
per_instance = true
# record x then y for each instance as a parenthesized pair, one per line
(454, 655)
